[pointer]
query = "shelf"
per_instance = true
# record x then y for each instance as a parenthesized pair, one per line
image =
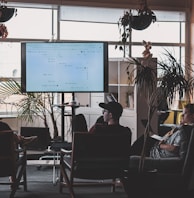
(118, 81)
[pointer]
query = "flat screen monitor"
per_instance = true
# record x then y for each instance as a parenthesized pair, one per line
(64, 67)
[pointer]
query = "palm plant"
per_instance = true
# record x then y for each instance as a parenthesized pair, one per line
(172, 80)
(31, 105)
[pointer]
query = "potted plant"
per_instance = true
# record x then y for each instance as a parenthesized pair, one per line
(6, 13)
(139, 21)
(31, 105)
(172, 80)
(143, 18)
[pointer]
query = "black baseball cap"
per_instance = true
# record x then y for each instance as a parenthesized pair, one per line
(113, 107)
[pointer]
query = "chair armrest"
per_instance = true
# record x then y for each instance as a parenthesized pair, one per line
(66, 152)
(19, 150)
(163, 165)
(65, 158)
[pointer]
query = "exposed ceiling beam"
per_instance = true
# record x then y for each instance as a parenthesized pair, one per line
(153, 4)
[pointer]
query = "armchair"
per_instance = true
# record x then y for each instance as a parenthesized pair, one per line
(95, 158)
(165, 176)
(12, 162)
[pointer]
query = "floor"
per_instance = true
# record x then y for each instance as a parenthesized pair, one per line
(40, 184)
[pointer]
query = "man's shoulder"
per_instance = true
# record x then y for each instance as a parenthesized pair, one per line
(112, 129)
(125, 129)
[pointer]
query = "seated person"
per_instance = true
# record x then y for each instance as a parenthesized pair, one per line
(175, 142)
(100, 121)
(19, 140)
(111, 117)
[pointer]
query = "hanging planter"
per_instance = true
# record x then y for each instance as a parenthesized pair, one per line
(6, 13)
(144, 17)
(138, 21)
(143, 20)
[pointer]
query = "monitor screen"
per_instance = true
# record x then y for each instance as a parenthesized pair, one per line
(64, 67)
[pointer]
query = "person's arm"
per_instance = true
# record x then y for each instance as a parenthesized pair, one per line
(168, 147)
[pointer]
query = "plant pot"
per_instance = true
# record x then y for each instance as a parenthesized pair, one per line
(6, 13)
(141, 22)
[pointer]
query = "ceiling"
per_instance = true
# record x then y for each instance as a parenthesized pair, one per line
(153, 4)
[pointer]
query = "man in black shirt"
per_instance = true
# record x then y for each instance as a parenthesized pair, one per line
(112, 112)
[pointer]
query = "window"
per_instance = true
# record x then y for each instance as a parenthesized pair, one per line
(85, 23)
(10, 61)
(31, 23)
(75, 23)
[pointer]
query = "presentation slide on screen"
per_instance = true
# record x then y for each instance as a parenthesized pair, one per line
(64, 67)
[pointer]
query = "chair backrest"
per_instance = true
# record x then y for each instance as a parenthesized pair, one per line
(7, 154)
(43, 140)
(100, 156)
(189, 162)
(79, 123)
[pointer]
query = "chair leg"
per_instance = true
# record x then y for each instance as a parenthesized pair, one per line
(14, 187)
(113, 185)
(25, 180)
(60, 182)
(64, 174)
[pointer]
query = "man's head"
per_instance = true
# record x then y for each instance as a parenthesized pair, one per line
(112, 110)
(188, 114)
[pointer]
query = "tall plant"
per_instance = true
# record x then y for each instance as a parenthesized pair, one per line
(172, 79)
(32, 105)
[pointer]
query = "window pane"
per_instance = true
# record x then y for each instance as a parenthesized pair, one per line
(170, 15)
(157, 51)
(88, 31)
(114, 53)
(183, 32)
(110, 15)
(156, 32)
(90, 14)
(10, 61)
(167, 32)
(31, 23)
(160, 53)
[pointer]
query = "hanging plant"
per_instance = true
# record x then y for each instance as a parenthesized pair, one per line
(144, 18)
(129, 21)
(3, 31)
(6, 13)
(124, 25)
